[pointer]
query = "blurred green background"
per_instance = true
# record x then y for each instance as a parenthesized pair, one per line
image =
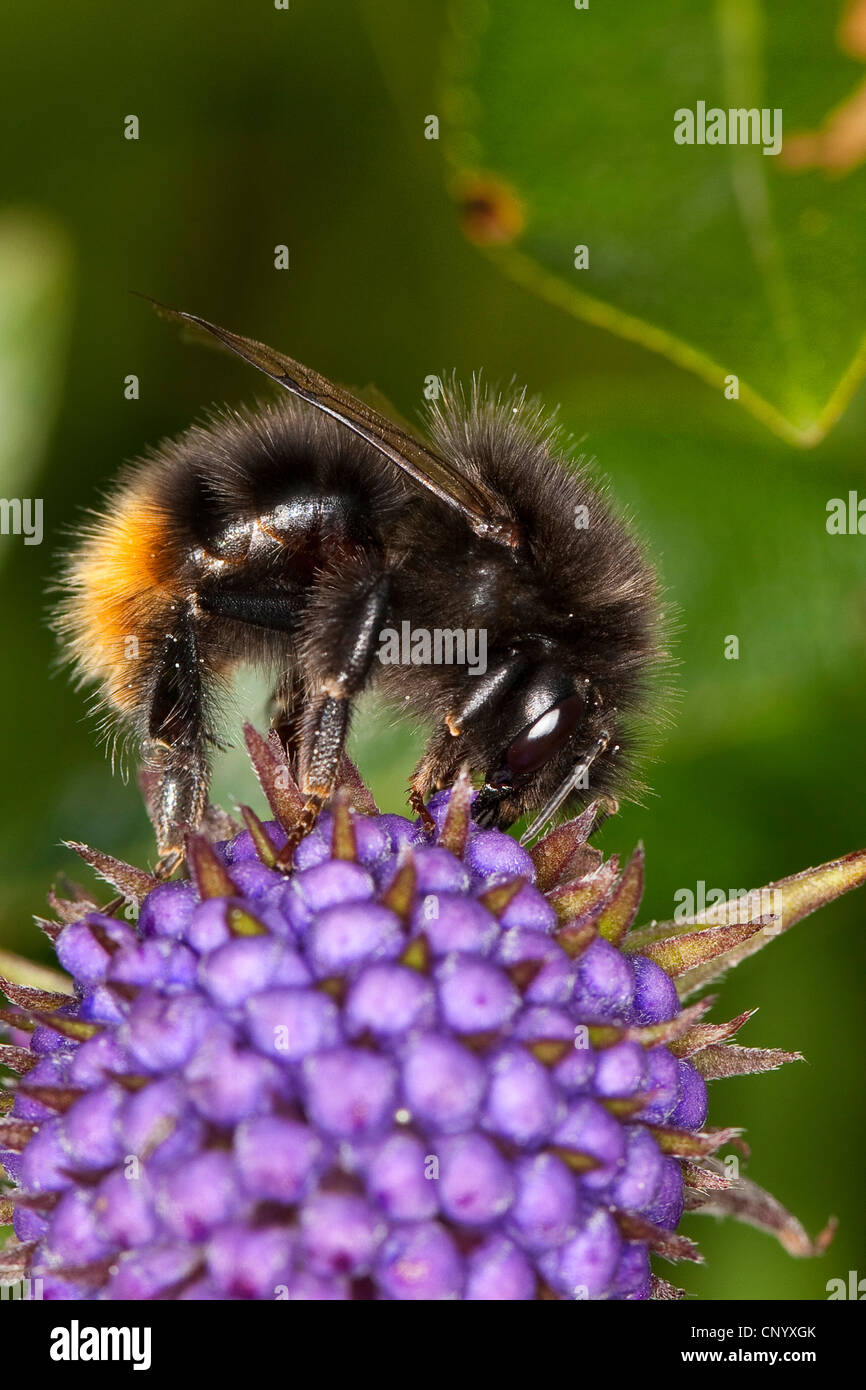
(306, 127)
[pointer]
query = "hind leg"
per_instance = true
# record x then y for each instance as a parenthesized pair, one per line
(174, 751)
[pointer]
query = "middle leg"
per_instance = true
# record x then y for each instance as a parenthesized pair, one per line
(336, 638)
(287, 708)
(339, 647)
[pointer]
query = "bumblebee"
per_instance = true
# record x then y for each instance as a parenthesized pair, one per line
(293, 535)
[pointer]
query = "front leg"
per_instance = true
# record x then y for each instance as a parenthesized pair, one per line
(342, 628)
(445, 754)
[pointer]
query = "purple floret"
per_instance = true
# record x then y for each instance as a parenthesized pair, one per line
(326, 1085)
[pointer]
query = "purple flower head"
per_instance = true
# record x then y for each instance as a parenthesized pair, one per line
(417, 1064)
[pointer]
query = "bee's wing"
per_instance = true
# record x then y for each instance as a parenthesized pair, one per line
(418, 460)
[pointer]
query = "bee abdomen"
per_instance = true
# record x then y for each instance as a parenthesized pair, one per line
(121, 586)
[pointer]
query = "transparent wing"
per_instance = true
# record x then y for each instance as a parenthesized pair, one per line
(480, 508)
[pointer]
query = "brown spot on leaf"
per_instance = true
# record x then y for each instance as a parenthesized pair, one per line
(491, 213)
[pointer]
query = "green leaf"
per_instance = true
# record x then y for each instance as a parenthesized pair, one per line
(718, 257)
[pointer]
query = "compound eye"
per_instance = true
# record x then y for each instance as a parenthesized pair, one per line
(538, 742)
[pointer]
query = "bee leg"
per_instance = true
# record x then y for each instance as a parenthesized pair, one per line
(286, 713)
(174, 751)
(331, 725)
(167, 863)
(325, 722)
(419, 806)
(180, 803)
(442, 758)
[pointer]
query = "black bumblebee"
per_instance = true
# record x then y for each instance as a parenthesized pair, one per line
(297, 534)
